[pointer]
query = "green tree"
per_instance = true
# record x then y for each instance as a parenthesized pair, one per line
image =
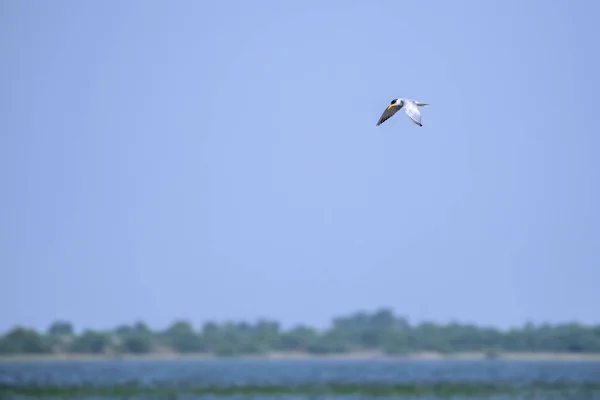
(60, 328)
(183, 339)
(23, 341)
(266, 335)
(299, 338)
(379, 330)
(90, 342)
(137, 343)
(397, 344)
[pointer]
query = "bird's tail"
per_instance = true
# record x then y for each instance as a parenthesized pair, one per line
(421, 104)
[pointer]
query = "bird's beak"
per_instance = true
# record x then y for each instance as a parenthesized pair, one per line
(390, 106)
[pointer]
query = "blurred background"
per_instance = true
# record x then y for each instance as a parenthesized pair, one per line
(198, 179)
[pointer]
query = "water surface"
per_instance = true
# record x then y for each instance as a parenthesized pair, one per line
(301, 379)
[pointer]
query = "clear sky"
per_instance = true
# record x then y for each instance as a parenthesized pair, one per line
(220, 160)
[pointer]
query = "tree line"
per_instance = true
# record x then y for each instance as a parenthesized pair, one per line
(362, 331)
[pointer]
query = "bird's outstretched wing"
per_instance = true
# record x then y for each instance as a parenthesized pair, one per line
(413, 112)
(387, 114)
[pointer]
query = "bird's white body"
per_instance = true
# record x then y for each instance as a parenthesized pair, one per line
(411, 108)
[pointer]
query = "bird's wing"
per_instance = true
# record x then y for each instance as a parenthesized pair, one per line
(413, 112)
(387, 114)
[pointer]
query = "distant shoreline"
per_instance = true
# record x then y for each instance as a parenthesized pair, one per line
(512, 356)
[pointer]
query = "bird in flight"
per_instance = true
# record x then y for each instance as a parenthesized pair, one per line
(411, 108)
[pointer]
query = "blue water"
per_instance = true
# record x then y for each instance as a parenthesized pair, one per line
(295, 372)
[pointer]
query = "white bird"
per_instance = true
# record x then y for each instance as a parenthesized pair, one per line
(410, 107)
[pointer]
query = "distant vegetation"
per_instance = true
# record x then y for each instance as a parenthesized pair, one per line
(432, 390)
(381, 330)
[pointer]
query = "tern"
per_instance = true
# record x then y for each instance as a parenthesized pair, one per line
(411, 108)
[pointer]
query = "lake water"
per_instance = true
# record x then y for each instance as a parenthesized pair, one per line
(578, 379)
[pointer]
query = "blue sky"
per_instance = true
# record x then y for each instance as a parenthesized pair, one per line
(220, 160)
